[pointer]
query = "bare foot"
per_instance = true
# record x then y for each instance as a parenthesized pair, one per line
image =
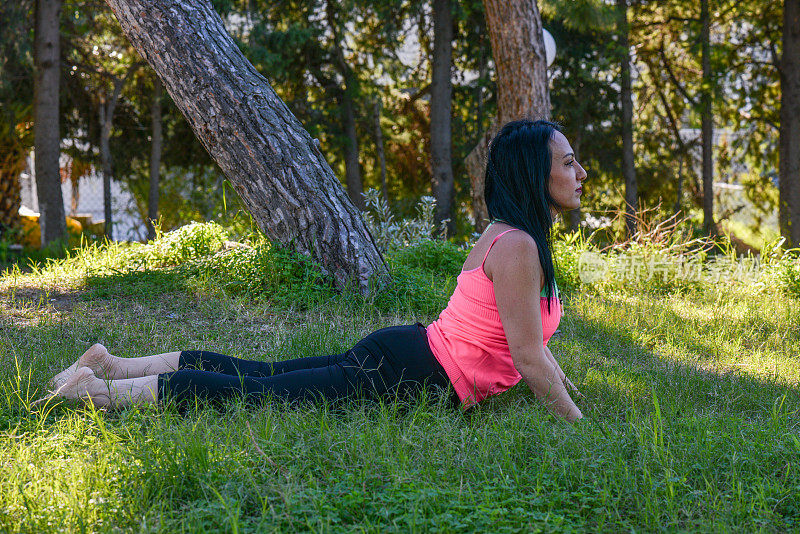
(81, 385)
(96, 358)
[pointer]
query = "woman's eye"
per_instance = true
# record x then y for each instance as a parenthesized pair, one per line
(570, 163)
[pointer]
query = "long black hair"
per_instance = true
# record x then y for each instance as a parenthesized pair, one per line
(515, 188)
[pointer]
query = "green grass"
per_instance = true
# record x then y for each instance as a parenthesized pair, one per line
(692, 397)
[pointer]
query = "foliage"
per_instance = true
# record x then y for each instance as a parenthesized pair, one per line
(386, 54)
(389, 232)
(433, 255)
(261, 269)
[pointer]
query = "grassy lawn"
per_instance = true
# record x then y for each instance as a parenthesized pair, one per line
(692, 400)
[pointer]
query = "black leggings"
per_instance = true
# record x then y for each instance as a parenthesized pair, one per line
(394, 361)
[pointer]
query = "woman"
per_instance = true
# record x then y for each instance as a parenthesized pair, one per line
(493, 332)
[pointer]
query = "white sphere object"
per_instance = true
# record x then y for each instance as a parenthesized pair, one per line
(549, 47)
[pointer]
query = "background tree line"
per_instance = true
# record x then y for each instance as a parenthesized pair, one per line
(398, 93)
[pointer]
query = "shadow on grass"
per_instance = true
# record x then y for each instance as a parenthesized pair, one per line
(137, 283)
(618, 370)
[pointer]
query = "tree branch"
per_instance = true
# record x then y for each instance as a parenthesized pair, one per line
(672, 77)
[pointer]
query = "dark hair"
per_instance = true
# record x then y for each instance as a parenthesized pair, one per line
(515, 189)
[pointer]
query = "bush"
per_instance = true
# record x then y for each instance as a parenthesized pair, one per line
(392, 233)
(266, 270)
(781, 267)
(435, 256)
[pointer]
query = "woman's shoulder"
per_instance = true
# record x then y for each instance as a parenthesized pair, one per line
(511, 241)
(512, 251)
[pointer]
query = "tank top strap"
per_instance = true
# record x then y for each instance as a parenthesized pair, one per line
(498, 236)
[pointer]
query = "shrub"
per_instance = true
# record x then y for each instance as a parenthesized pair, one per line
(781, 267)
(391, 233)
(266, 270)
(430, 255)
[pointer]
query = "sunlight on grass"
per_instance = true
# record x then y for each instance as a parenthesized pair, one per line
(691, 396)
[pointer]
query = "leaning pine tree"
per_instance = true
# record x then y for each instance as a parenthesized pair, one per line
(272, 162)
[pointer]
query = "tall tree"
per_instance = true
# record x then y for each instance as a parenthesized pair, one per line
(587, 64)
(441, 108)
(47, 138)
(378, 133)
(106, 108)
(15, 110)
(789, 167)
(347, 96)
(155, 158)
(707, 121)
(272, 162)
(626, 100)
(515, 31)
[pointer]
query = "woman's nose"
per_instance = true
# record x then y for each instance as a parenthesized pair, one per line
(582, 174)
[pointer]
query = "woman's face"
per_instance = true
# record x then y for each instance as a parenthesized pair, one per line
(566, 175)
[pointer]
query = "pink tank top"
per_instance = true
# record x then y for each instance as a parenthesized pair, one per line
(469, 341)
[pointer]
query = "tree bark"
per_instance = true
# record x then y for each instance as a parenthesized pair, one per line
(441, 108)
(628, 168)
(47, 138)
(515, 31)
(106, 116)
(155, 159)
(789, 142)
(272, 162)
(352, 167)
(379, 147)
(707, 123)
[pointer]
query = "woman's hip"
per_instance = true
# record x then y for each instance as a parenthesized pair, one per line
(405, 352)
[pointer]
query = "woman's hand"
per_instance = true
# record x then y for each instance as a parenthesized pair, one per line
(570, 385)
(567, 382)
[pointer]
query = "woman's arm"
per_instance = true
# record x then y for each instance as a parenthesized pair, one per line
(542, 377)
(561, 375)
(513, 266)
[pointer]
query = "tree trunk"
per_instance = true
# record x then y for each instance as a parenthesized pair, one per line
(379, 147)
(679, 187)
(352, 169)
(352, 166)
(628, 168)
(707, 123)
(105, 164)
(575, 215)
(682, 149)
(789, 169)
(441, 102)
(76, 192)
(155, 159)
(106, 115)
(272, 162)
(515, 31)
(47, 139)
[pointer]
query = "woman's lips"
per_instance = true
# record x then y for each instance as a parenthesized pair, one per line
(579, 190)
